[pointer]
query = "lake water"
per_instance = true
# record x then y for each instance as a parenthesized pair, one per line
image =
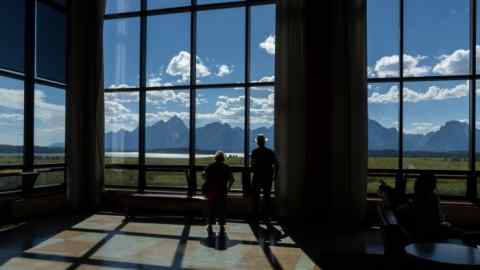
(165, 155)
(135, 154)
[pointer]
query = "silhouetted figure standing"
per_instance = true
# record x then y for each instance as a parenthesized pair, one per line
(218, 180)
(264, 167)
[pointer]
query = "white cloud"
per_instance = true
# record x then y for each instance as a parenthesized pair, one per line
(119, 86)
(122, 97)
(267, 79)
(269, 45)
(224, 70)
(50, 116)
(11, 119)
(370, 72)
(168, 96)
(11, 99)
(117, 115)
(388, 66)
(409, 95)
(262, 109)
(180, 66)
(227, 109)
(455, 63)
(230, 109)
(47, 112)
(153, 118)
(422, 128)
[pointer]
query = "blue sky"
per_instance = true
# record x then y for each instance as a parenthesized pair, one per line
(49, 113)
(220, 59)
(436, 43)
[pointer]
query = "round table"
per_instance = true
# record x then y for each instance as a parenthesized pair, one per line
(452, 256)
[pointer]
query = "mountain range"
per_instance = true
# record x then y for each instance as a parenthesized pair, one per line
(173, 136)
(451, 137)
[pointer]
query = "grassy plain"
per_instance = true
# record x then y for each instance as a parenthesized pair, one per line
(449, 187)
(129, 177)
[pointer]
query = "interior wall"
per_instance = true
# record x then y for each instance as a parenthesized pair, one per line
(322, 111)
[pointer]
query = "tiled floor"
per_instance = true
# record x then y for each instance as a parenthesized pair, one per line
(107, 242)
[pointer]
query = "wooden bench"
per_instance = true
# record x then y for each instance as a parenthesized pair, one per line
(138, 203)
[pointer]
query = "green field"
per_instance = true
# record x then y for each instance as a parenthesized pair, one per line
(448, 187)
(126, 177)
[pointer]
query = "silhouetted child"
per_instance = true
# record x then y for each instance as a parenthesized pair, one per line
(218, 180)
(264, 167)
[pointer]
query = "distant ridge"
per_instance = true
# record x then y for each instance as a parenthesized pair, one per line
(168, 136)
(451, 137)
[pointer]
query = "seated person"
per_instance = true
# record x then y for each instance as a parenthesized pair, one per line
(421, 217)
(218, 180)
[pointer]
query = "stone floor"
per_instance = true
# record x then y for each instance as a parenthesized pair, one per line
(107, 242)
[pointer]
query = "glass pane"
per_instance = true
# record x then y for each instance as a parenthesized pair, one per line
(478, 188)
(158, 4)
(220, 125)
(263, 43)
(167, 179)
(383, 38)
(119, 6)
(121, 53)
(10, 182)
(221, 46)
(262, 106)
(237, 185)
(383, 135)
(167, 132)
(121, 127)
(11, 121)
(374, 183)
(477, 128)
(201, 2)
(12, 46)
(50, 178)
(436, 39)
(477, 47)
(121, 177)
(61, 2)
(436, 125)
(49, 124)
(445, 186)
(51, 43)
(168, 50)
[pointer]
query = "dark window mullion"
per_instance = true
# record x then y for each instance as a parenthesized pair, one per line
(142, 103)
(193, 98)
(246, 156)
(472, 181)
(400, 181)
(29, 88)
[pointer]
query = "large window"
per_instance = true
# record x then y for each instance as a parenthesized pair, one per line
(184, 79)
(33, 87)
(422, 64)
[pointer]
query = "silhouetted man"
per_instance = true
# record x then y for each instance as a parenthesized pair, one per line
(218, 180)
(265, 168)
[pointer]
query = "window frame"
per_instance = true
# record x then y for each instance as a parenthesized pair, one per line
(191, 86)
(30, 80)
(401, 174)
